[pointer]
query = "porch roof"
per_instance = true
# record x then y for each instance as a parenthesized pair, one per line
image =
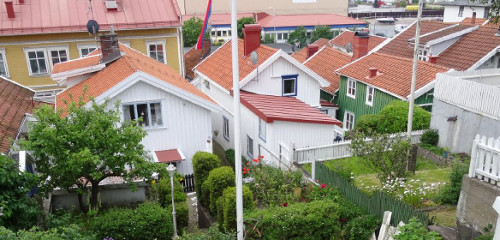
(169, 156)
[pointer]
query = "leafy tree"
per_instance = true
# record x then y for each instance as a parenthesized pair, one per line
(321, 32)
(86, 147)
(17, 210)
(299, 35)
(191, 31)
(268, 38)
(394, 118)
(388, 157)
(241, 24)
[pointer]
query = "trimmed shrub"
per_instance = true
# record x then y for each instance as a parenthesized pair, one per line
(451, 191)
(230, 157)
(368, 123)
(203, 163)
(430, 136)
(313, 220)
(229, 206)
(204, 198)
(394, 118)
(147, 221)
(164, 192)
(181, 215)
(218, 180)
(361, 227)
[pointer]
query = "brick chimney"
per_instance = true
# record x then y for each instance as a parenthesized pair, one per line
(311, 50)
(360, 44)
(109, 47)
(10, 8)
(473, 20)
(433, 59)
(252, 38)
(373, 72)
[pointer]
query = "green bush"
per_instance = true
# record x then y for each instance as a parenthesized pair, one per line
(218, 180)
(61, 218)
(368, 123)
(313, 220)
(431, 137)
(203, 163)
(229, 206)
(361, 227)
(230, 157)
(394, 118)
(451, 191)
(204, 198)
(273, 186)
(181, 215)
(414, 230)
(147, 221)
(61, 233)
(163, 190)
(213, 233)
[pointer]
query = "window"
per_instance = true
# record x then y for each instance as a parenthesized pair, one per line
(206, 84)
(212, 33)
(86, 49)
(423, 55)
(225, 127)
(351, 88)
(289, 85)
(282, 36)
(219, 33)
(156, 50)
(58, 55)
(461, 11)
(486, 13)
(249, 146)
(348, 120)
(37, 63)
(150, 113)
(262, 129)
(4, 71)
(369, 95)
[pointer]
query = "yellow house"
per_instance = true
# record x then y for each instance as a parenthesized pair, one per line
(36, 34)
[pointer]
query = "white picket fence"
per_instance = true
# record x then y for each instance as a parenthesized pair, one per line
(281, 161)
(337, 150)
(485, 160)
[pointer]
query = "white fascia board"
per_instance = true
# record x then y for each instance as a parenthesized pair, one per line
(212, 82)
(484, 59)
(76, 72)
(141, 76)
(423, 89)
(451, 36)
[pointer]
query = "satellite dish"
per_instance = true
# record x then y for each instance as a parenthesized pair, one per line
(92, 27)
(254, 58)
(348, 47)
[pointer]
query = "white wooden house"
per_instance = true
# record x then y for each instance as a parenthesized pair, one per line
(176, 115)
(280, 99)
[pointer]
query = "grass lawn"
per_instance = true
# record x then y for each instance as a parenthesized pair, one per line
(426, 176)
(446, 216)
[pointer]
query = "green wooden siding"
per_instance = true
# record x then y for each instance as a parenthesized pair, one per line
(426, 98)
(358, 105)
(325, 95)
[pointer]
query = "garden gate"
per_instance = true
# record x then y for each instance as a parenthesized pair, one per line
(188, 183)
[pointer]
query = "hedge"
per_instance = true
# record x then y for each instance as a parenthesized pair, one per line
(218, 180)
(394, 118)
(228, 205)
(203, 163)
(430, 136)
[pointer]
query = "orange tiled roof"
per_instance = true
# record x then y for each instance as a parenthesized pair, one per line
(394, 73)
(75, 64)
(192, 58)
(325, 62)
(346, 37)
(133, 61)
(15, 102)
(479, 21)
(301, 55)
(439, 34)
(218, 65)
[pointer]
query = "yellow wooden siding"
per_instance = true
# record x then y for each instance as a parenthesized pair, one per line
(18, 67)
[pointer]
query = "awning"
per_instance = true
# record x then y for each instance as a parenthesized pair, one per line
(168, 156)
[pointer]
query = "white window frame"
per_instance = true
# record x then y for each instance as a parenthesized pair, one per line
(158, 42)
(345, 123)
(85, 46)
(370, 91)
(47, 65)
(423, 54)
(351, 84)
(225, 127)
(150, 122)
(250, 147)
(4, 60)
(262, 129)
(49, 54)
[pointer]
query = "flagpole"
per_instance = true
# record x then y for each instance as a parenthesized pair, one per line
(237, 137)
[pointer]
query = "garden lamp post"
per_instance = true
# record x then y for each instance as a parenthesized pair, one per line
(171, 170)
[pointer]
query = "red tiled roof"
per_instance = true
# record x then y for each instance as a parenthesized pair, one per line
(192, 58)
(324, 103)
(301, 55)
(289, 109)
(217, 19)
(294, 20)
(133, 61)
(15, 102)
(394, 73)
(218, 66)
(439, 34)
(168, 156)
(325, 62)
(399, 46)
(76, 64)
(347, 37)
(54, 16)
(479, 21)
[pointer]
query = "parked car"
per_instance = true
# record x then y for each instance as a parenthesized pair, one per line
(399, 28)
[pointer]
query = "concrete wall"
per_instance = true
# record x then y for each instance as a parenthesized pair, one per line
(111, 195)
(474, 209)
(459, 135)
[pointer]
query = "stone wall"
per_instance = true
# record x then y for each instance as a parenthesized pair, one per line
(475, 207)
(440, 160)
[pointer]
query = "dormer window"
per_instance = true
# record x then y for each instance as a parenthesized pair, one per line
(289, 87)
(423, 54)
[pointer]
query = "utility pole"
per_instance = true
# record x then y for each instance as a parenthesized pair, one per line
(237, 133)
(414, 71)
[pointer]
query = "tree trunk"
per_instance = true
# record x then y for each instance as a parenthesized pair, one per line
(94, 201)
(80, 202)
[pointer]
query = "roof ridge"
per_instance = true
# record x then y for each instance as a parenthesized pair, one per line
(411, 60)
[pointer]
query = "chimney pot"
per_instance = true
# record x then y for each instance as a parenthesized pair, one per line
(373, 72)
(473, 20)
(10, 8)
(433, 59)
(311, 50)
(251, 38)
(360, 44)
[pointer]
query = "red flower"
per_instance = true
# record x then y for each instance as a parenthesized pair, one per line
(285, 204)
(248, 163)
(261, 157)
(323, 185)
(256, 160)
(246, 170)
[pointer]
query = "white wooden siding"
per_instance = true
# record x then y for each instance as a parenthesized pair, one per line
(187, 126)
(269, 82)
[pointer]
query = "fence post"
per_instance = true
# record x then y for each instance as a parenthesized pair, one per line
(496, 206)
(313, 170)
(291, 151)
(472, 167)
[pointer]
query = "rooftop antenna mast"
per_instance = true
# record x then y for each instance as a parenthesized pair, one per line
(92, 25)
